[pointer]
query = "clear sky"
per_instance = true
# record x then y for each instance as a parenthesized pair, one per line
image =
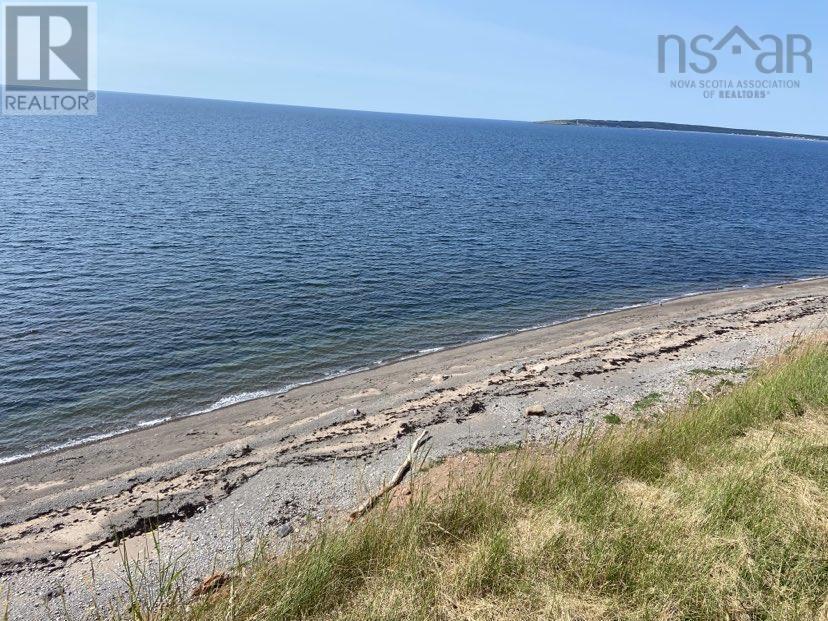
(516, 59)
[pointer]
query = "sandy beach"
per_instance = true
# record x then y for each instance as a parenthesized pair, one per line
(278, 465)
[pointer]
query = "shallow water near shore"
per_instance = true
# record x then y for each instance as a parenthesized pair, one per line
(175, 255)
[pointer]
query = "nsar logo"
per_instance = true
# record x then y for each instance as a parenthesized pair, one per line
(772, 54)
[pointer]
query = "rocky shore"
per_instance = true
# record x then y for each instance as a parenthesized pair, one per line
(213, 484)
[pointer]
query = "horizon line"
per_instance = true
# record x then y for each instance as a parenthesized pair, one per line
(446, 116)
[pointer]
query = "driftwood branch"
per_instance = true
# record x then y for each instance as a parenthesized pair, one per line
(398, 477)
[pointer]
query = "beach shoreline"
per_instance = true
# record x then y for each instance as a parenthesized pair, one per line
(265, 393)
(279, 461)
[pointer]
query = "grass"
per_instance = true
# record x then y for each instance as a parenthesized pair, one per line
(647, 401)
(714, 371)
(497, 449)
(719, 511)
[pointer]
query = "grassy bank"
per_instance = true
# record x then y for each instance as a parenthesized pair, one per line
(716, 512)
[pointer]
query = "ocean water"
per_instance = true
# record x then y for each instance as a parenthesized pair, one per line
(172, 255)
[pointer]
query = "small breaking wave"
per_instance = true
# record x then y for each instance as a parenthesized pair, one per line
(221, 403)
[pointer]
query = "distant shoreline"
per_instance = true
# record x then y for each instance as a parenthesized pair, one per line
(681, 127)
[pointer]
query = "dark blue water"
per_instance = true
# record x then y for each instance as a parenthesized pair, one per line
(169, 254)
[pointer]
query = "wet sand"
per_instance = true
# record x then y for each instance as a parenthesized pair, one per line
(276, 465)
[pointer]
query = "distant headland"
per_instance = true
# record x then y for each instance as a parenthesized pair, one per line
(680, 127)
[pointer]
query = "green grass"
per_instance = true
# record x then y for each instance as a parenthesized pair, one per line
(696, 398)
(714, 371)
(716, 512)
(496, 449)
(647, 401)
(612, 419)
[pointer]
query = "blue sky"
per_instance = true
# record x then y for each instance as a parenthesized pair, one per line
(522, 59)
